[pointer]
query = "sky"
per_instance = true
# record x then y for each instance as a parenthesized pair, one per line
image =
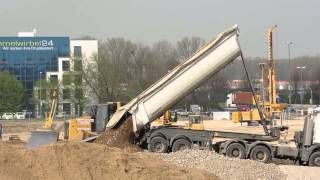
(148, 21)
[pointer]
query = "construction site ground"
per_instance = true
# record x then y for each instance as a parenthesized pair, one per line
(67, 160)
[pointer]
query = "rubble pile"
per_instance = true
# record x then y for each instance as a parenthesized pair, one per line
(223, 167)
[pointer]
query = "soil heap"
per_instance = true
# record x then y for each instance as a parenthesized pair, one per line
(86, 161)
(120, 137)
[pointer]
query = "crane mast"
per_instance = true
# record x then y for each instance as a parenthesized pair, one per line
(272, 78)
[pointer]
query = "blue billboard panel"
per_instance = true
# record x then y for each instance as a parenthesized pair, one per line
(26, 57)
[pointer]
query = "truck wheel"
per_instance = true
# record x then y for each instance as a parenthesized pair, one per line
(158, 145)
(261, 154)
(314, 159)
(236, 150)
(180, 144)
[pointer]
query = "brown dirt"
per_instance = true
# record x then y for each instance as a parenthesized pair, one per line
(86, 161)
(120, 137)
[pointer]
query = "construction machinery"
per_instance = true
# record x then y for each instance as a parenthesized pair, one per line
(267, 95)
(195, 122)
(168, 118)
(183, 79)
(47, 134)
(86, 128)
(271, 105)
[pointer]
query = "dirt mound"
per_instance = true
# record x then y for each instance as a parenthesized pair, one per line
(86, 161)
(120, 137)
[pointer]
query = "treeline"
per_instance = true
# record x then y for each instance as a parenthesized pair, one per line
(311, 72)
(124, 68)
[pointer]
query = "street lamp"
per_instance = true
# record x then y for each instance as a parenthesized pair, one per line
(289, 43)
(301, 83)
(40, 107)
(311, 96)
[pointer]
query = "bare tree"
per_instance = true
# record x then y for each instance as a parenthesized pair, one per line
(187, 46)
(110, 71)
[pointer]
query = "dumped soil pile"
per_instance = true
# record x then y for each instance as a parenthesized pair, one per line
(223, 167)
(120, 137)
(86, 161)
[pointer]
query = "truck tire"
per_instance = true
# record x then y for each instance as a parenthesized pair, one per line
(236, 150)
(158, 145)
(314, 159)
(261, 154)
(180, 144)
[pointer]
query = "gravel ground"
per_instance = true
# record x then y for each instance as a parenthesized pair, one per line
(300, 172)
(223, 167)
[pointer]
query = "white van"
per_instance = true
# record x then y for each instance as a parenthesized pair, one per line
(7, 116)
(19, 115)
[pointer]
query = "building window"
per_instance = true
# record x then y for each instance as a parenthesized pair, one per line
(66, 94)
(66, 79)
(77, 52)
(65, 65)
(54, 79)
(77, 65)
(66, 108)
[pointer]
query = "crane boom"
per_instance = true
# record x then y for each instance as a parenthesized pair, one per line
(272, 74)
(179, 82)
(53, 108)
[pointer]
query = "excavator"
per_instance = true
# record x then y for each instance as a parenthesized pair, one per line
(46, 134)
(74, 129)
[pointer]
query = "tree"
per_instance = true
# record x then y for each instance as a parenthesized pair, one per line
(13, 95)
(111, 70)
(184, 49)
(187, 46)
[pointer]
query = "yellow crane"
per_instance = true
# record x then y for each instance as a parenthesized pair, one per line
(53, 107)
(272, 106)
(267, 98)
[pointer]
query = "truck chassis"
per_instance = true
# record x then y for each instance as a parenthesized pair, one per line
(263, 148)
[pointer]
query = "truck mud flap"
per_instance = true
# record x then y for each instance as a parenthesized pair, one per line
(40, 138)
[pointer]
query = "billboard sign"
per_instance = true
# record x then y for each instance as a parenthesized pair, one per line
(33, 43)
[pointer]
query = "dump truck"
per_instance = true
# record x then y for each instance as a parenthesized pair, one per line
(183, 79)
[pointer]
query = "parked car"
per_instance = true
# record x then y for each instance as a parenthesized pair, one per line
(316, 109)
(181, 112)
(7, 116)
(19, 115)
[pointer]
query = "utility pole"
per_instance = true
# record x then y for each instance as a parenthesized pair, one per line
(301, 83)
(311, 96)
(40, 98)
(289, 86)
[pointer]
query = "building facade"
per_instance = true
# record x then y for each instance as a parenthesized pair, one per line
(48, 58)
